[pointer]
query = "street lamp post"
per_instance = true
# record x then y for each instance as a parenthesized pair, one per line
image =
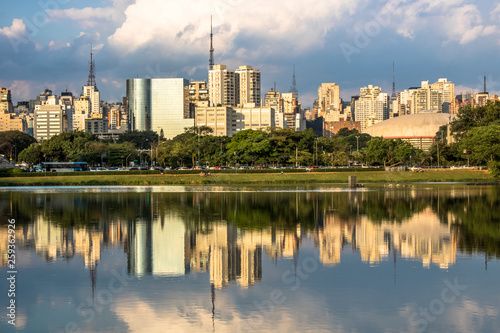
(126, 160)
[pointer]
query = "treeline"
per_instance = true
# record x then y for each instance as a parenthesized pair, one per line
(475, 132)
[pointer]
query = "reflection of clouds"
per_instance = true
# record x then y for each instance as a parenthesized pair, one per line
(186, 316)
(469, 315)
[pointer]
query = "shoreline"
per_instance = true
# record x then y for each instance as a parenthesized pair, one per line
(471, 177)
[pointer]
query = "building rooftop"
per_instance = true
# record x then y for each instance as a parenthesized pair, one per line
(415, 125)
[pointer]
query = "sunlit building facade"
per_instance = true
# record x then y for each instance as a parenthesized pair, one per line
(160, 105)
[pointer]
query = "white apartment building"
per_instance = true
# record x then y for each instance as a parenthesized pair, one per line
(49, 121)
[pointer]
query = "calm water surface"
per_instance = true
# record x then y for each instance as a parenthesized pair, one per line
(253, 259)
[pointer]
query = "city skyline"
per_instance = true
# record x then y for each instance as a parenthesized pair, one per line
(48, 44)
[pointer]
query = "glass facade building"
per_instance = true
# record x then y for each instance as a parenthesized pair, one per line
(159, 104)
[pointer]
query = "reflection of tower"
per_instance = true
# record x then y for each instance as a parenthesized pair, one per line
(93, 277)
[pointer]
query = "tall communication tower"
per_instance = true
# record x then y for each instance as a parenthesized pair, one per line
(91, 79)
(293, 88)
(211, 61)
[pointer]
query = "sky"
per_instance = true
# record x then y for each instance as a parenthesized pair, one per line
(46, 43)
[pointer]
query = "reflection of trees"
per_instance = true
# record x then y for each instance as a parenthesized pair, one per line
(474, 212)
(475, 217)
(393, 206)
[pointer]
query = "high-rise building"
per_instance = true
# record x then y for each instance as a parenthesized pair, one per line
(273, 100)
(372, 106)
(5, 101)
(329, 98)
(12, 122)
(160, 105)
(221, 86)
(247, 85)
(447, 90)
(50, 120)
(227, 121)
(290, 107)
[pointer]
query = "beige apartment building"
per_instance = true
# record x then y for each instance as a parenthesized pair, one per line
(221, 86)
(247, 85)
(11, 122)
(329, 98)
(227, 120)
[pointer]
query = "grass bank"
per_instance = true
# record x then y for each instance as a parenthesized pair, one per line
(253, 178)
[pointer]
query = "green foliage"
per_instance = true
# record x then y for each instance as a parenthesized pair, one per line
(345, 132)
(470, 117)
(390, 152)
(14, 142)
(249, 146)
(140, 139)
(482, 143)
(494, 169)
(32, 155)
(68, 145)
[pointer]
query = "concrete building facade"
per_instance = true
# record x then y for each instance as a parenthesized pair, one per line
(49, 121)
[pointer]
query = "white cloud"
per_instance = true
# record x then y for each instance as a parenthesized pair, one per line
(57, 45)
(454, 20)
(88, 17)
(17, 29)
(495, 13)
(272, 27)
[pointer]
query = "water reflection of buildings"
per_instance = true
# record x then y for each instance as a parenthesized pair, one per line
(166, 248)
(167, 243)
(422, 237)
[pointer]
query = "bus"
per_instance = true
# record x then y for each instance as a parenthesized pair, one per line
(64, 166)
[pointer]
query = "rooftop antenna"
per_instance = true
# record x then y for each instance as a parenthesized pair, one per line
(91, 79)
(211, 61)
(274, 85)
(485, 91)
(293, 88)
(394, 96)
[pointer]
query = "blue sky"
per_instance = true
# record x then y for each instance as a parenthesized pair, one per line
(46, 43)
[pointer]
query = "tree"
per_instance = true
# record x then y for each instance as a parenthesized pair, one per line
(248, 146)
(470, 117)
(140, 139)
(14, 142)
(482, 143)
(344, 132)
(32, 155)
(389, 152)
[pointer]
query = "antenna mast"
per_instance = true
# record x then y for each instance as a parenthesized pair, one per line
(293, 88)
(211, 61)
(91, 79)
(394, 96)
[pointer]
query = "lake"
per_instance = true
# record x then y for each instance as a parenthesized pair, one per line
(252, 259)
